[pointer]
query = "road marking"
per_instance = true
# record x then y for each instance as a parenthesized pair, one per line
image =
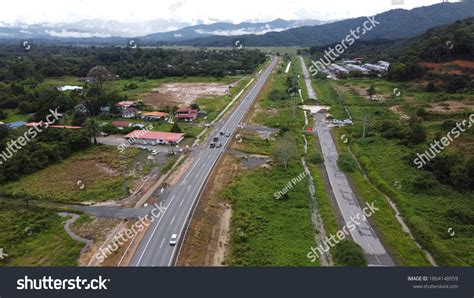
(181, 202)
(172, 220)
(162, 242)
(153, 233)
(184, 181)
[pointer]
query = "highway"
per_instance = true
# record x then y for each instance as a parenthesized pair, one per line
(363, 234)
(154, 249)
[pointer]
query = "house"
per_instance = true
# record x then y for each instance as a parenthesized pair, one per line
(337, 68)
(186, 114)
(125, 104)
(374, 67)
(121, 124)
(155, 116)
(146, 137)
(16, 124)
(38, 124)
(352, 67)
(384, 64)
(130, 112)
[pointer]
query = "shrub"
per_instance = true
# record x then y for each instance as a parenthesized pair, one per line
(348, 253)
(346, 163)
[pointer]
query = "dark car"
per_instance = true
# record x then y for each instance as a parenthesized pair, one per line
(213, 145)
(216, 139)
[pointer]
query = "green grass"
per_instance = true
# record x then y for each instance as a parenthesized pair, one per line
(62, 182)
(33, 236)
(266, 231)
(14, 115)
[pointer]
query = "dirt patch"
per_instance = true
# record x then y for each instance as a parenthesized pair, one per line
(451, 107)
(183, 94)
(97, 230)
(398, 110)
(208, 236)
(456, 67)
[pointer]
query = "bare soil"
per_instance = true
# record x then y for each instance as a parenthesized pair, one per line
(451, 107)
(183, 94)
(206, 242)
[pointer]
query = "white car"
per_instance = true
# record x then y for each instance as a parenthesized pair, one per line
(174, 239)
(154, 152)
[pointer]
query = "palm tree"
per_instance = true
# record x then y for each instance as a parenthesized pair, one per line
(92, 129)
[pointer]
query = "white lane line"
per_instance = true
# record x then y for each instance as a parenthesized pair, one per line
(181, 202)
(184, 181)
(172, 220)
(153, 233)
(162, 242)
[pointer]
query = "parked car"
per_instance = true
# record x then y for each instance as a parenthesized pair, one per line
(103, 134)
(155, 152)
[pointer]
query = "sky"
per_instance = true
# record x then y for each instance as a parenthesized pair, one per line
(192, 11)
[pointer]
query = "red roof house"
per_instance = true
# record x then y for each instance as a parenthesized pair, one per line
(186, 114)
(147, 137)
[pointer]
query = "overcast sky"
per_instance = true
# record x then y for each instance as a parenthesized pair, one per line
(53, 11)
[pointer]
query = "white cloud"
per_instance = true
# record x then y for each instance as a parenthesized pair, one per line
(74, 34)
(54, 11)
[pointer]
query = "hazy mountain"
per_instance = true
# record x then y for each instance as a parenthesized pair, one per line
(88, 29)
(163, 30)
(393, 24)
(228, 29)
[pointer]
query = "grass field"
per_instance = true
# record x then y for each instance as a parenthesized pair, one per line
(33, 236)
(91, 175)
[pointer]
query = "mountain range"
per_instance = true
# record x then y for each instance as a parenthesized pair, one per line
(391, 25)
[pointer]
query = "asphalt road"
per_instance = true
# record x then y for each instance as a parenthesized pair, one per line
(154, 249)
(351, 211)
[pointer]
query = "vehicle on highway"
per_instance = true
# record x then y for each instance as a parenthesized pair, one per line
(213, 145)
(221, 133)
(227, 134)
(216, 139)
(218, 145)
(174, 239)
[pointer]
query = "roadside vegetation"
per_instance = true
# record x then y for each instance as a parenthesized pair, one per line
(432, 200)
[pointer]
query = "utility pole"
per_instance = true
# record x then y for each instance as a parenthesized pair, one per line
(123, 166)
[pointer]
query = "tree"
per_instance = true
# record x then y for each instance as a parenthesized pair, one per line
(348, 254)
(176, 128)
(3, 115)
(92, 129)
(78, 118)
(195, 106)
(284, 151)
(371, 91)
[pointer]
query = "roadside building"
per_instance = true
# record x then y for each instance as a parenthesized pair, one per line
(125, 104)
(121, 124)
(31, 124)
(186, 114)
(130, 112)
(155, 116)
(146, 137)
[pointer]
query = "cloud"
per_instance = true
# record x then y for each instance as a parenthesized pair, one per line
(75, 34)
